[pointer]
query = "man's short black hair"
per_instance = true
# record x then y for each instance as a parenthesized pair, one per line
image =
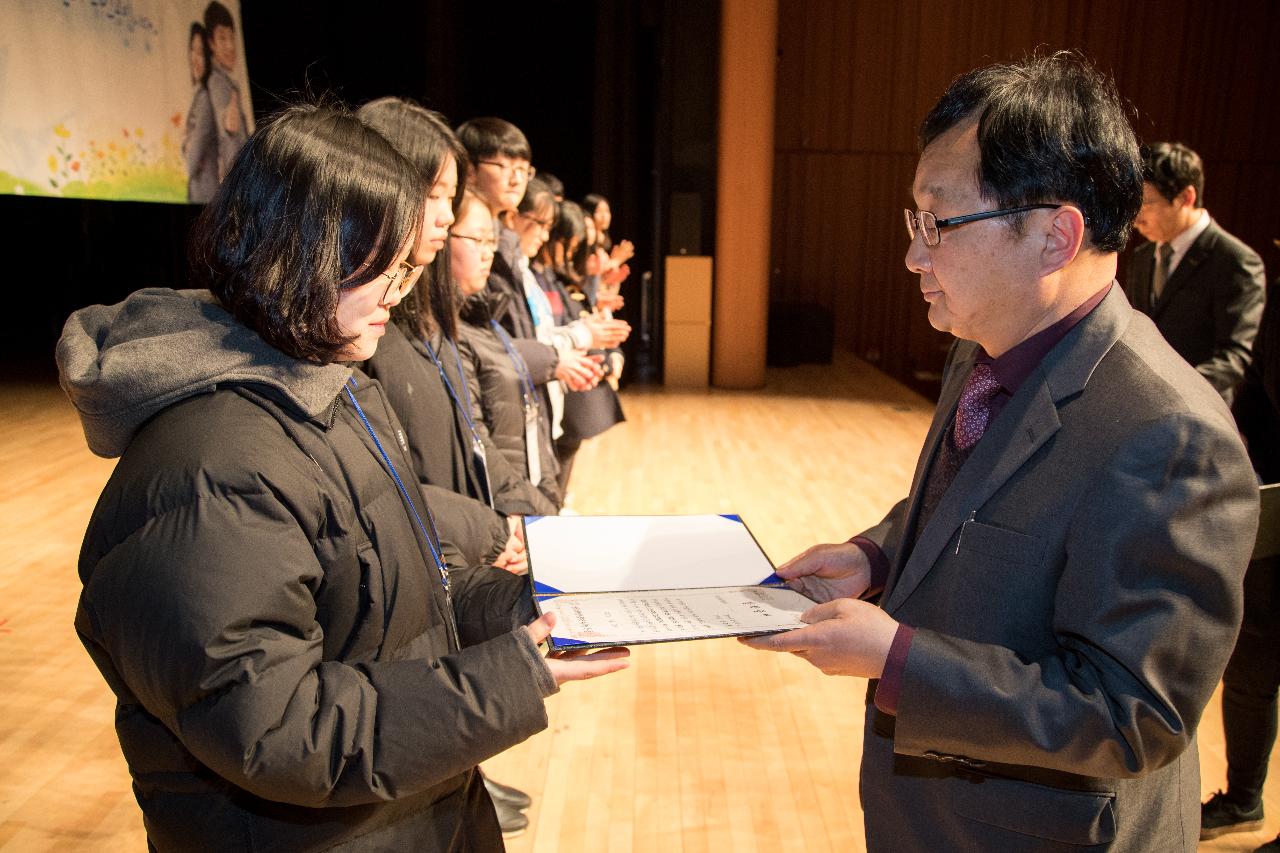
(1171, 167)
(217, 15)
(314, 201)
(490, 137)
(1050, 129)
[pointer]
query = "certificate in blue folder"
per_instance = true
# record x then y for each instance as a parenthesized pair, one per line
(620, 580)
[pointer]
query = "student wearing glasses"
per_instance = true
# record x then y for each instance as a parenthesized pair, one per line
(299, 660)
(500, 173)
(419, 364)
(510, 403)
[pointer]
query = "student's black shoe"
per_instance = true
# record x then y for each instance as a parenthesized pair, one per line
(513, 797)
(1272, 846)
(1220, 816)
(511, 821)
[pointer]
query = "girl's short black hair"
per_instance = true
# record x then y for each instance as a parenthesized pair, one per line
(314, 201)
(535, 195)
(591, 201)
(424, 137)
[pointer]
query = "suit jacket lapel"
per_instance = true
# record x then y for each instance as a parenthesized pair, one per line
(1195, 256)
(942, 414)
(1027, 422)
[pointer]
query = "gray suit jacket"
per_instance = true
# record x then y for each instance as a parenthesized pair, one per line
(1075, 595)
(1210, 308)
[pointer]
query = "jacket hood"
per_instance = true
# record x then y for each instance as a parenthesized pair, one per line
(122, 364)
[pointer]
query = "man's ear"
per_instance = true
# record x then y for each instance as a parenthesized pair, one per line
(1064, 235)
(1186, 198)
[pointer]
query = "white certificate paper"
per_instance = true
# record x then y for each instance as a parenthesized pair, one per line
(630, 618)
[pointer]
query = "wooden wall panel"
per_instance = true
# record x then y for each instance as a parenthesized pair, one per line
(856, 76)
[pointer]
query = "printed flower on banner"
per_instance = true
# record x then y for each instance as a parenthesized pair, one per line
(61, 130)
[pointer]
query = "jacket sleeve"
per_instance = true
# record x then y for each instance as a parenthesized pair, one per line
(216, 636)
(541, 359)
(479, 532)
(513, 494)
(489, 602)
(1146, 609)
(1238, 294)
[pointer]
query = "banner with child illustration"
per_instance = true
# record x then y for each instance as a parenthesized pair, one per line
(138, 100)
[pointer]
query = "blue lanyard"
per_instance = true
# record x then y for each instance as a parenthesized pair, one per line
(435, 535)
(521, 367)
(466, 410)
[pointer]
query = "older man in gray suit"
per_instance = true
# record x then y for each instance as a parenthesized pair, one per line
(1060, 591)
(1201, 286)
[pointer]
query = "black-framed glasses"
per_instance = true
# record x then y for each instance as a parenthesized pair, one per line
(542, 223)
(523, 173)
(486, 244)
(929, 227)
(399, 283)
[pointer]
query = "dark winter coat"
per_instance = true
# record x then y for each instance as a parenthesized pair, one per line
(500, 391)
(290, 671)
(436, 430)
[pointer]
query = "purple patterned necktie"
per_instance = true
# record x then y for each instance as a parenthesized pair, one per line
(974, 409)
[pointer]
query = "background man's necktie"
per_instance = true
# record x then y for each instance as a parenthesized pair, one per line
(1161, 276)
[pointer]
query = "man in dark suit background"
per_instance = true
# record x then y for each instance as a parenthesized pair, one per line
(1060, 590)
(1252, 679)
(1201, 285)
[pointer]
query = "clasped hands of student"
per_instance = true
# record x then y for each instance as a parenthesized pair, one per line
(580, 370)
(844, 635)
(606, 333)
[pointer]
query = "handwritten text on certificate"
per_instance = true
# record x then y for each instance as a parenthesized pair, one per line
(689, 614)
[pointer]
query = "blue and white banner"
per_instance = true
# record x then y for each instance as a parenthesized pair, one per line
(140, 100)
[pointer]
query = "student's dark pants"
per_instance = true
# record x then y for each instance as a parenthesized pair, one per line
(1250, 685)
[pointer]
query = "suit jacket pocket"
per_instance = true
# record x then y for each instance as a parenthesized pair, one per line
(1054, 814)
(1000, 543)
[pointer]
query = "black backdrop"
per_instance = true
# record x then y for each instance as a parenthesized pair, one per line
(616, 98)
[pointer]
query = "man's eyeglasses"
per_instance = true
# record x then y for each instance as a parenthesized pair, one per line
(486, 244)
(400, 282)
(928, 226)
(522, 173)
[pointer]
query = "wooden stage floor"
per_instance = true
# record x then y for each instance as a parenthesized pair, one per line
(702, 746)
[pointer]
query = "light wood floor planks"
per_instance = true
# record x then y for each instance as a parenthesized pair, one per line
(700, 747)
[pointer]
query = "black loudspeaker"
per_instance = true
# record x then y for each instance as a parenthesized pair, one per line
(799, 333)
(684, 232)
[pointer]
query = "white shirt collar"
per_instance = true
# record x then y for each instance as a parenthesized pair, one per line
(1183, 241)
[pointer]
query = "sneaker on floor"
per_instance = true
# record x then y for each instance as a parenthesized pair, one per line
(513, 797)
(1220, 816)
(1272, 846)
(511, 821)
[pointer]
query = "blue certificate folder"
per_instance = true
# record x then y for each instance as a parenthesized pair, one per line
(617, 580)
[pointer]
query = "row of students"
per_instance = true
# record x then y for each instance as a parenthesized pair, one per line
(487, 445)
(289, 579)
